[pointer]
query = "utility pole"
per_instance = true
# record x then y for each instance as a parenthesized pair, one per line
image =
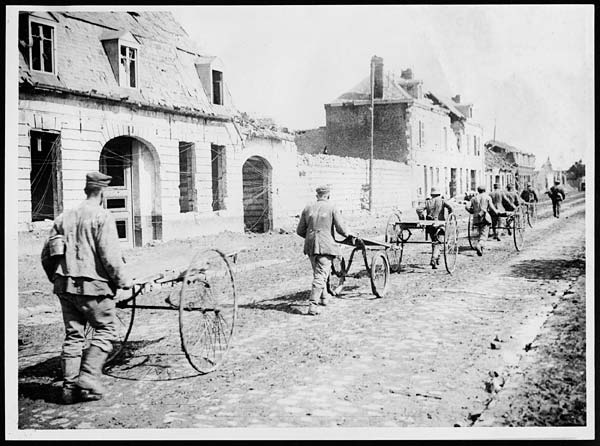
(372, 131)
(494, 130)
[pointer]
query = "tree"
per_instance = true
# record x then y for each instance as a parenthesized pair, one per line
(576, 171)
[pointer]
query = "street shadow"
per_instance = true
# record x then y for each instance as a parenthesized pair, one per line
(462, 249)
(40, 391)
(50, 368)
(288, 303)
(547, 269)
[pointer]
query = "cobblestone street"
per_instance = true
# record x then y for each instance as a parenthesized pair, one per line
(434, 352)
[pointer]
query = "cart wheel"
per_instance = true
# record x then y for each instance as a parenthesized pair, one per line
(394, 255)
(518, 229)
(451, 243)
(392, 229)
(380, 273)
(207, 310)
(123, 323)
(531, 214)
(469, 229)
(337, 277)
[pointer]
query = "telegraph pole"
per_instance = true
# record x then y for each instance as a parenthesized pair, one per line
(372, 131)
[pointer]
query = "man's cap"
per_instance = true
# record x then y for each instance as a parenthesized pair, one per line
(496, 185)
(435, 190)
(480, 188)
(509, 186)
(325, 189)
(528, 184)
(97, 179)
(556, 181)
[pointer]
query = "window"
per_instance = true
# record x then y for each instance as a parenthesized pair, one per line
(421, 134)
(474, 144)
(217, 155)
(217, 86)
(458, 142)
(187, 190)
(445, 136)
(41, 49)
(45, 175)
(128, 67)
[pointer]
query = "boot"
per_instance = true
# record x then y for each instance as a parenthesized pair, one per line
(433, 264)
(70, 370)
(313, 309)
(91, 372)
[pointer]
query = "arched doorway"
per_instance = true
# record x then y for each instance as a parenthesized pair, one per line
(134, 193)
(256, 184)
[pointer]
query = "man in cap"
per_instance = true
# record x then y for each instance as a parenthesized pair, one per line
(434, 210)
(528, 194)
(557, 195)
(86, 278)
(513, 196)
(502, 204)
(481, 206)
(317, 227)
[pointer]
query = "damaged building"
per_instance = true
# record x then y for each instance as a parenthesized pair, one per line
(130, 94)
(434, 140)
(523, 162)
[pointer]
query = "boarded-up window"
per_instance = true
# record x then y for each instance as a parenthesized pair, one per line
(219, 192)
(187, 190)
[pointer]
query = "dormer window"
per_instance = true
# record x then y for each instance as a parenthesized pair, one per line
(217, 87)
(122, 50)
(128, 67)
(41, 49)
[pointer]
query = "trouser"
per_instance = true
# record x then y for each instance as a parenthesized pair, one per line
(556, 208)
(498, 222)
(98, 311)
(484, 230)
(434, 232)
(321, 265)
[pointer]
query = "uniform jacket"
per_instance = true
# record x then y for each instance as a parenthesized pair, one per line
(513, 197)
(529, 196)
(317, 226)
(434, 208)
(557, 193)
(501, 201)
(92, 250)
(480, 205)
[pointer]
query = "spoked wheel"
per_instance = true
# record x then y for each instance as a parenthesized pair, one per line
(392, 229)
(123, 323)
(380, 272)
(337, 277)
(470, 235)
(207, 310)
(531, 214)
(518, 229)
(451, 243)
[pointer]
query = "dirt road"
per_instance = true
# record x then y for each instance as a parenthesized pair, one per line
(433, 352)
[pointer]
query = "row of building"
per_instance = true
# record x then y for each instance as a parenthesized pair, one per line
(130, 94)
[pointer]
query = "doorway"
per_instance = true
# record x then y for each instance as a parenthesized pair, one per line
(46, 176)
(256, 184)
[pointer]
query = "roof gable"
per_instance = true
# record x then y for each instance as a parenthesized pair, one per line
(392, 91)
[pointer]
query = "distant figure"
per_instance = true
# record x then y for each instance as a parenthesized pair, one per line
(434, 210)
(501, 204)
(317, 226)
(481, 206)
(557, 195)
(528, 195)
(325, 152)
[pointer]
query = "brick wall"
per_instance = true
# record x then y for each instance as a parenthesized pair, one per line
(349, 130)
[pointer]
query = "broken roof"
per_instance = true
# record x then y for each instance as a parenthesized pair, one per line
(254, 127)
(495, 160)
(446, 103)
(167, 76)
(392, 91)
(506, 147)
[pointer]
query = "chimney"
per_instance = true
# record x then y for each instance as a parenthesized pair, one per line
(456, 99)
(377, 72)
(407, 74)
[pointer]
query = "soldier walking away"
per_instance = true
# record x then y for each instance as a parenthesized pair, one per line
(513, 195)
(317, 227)
(481, 206)
(434, 210)
(501, 204)
(86, 277)
(557, 195)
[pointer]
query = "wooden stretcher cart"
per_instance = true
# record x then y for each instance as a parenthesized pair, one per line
(204, 295)
(398, 232)
(514, 223)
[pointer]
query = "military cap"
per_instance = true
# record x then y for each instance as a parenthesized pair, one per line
(528, 184)
(496, 186)
(556, 181)
(435, 190)
(509, 186)
(322, 190)
(97, 179)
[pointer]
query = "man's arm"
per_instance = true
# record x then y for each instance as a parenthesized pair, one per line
(339, 223)
(491, 206)
(109, 251)
(302, 226)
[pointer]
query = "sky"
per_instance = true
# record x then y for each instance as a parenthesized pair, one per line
(527, 69)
